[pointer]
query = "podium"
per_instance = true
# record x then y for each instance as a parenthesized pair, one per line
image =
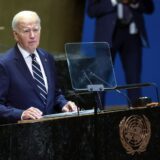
(113, 135)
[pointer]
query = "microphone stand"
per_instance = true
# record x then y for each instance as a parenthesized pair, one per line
(96, 90)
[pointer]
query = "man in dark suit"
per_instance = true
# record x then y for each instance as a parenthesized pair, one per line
(121, 24)
(21, 98)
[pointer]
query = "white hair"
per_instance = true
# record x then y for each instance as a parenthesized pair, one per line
(21, 14)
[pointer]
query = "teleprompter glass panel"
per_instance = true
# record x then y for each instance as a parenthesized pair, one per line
(90, 66)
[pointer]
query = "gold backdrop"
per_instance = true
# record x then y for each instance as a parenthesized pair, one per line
(62, 21)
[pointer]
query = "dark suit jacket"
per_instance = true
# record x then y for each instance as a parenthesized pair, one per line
(106, 18)
(18, 90)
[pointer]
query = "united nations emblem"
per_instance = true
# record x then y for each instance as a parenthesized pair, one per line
(135, 132)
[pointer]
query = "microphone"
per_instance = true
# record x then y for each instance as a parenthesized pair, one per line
(129, 86)
(115, 89)
(99, 78)
(86, 76)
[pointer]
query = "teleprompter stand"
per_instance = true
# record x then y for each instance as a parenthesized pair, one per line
(91, 69)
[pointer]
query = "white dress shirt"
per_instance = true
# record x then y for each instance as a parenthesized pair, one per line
(28, 60)
(132, 27)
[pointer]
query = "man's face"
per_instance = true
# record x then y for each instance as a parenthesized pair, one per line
(27, 33)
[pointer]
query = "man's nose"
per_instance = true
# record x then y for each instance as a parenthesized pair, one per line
(32, 34)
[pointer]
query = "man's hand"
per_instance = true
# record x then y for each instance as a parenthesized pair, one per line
(31, 113)
(69, 107)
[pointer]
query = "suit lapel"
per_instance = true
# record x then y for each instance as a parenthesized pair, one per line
(21, 65)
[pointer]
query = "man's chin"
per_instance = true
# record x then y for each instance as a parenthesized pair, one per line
(33, 48)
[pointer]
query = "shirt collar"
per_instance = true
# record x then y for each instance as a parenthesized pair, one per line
(25, 53)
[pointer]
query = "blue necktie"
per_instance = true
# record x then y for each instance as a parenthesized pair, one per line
(37, 74)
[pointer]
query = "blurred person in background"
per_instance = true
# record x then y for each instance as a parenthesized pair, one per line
(121, 24)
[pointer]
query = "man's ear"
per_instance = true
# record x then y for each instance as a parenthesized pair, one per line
(15, 35)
